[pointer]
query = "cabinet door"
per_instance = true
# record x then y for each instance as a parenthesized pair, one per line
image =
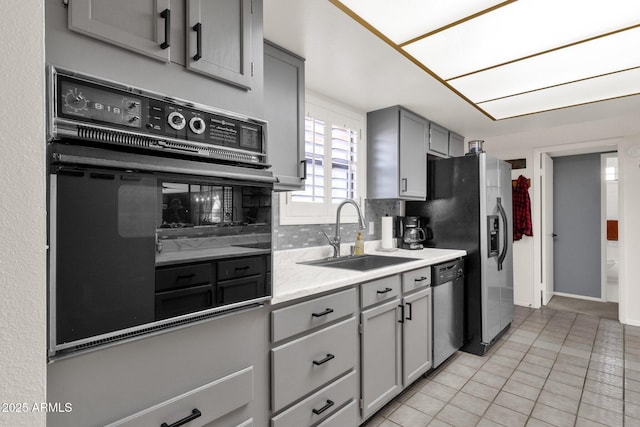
(417, 338)
(456, 145)
(141, 25)
(381, 362)
(284, 110)
(438, 139)
(219, 40)
(413, 156)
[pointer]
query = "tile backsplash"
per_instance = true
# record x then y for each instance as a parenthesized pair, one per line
(302, 236)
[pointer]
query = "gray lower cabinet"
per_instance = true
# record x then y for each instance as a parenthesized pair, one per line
(203, 371)
(396, 154)
(416, 335)
(228, 393)
(284, 111)
(217, 34)
(417, 331)
(345, 417)
(314, 361)
(325, 401)
(396, 340)
(381, 355)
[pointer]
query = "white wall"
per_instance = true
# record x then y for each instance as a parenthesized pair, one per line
(22, 210)
(629, 229)
(581, 135)
(522, 249)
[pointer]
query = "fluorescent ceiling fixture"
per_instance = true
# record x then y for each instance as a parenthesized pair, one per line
(403, 20)
(494, 51)
(582, 92)
(601, 56)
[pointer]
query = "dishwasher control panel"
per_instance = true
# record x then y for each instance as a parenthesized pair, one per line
(448, 271)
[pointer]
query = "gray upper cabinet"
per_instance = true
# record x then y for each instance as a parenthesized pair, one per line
(438, 140)
(143, 26)
(284, 111)
(218, 33)
(456, 145)
(219, 39)
(396, 152)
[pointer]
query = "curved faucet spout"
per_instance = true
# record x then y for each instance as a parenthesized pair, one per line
(335, 240)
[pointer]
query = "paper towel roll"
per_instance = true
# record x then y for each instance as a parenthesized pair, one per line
(387, 232)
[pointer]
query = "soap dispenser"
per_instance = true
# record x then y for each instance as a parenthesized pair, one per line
(359, 245)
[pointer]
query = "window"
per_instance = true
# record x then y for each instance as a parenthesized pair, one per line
(335, 159)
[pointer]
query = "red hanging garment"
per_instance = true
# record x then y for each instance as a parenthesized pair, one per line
(521, 209)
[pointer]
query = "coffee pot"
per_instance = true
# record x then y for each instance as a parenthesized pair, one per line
(410, 234)
(414, 235)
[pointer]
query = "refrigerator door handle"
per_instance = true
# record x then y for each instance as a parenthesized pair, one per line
(505, 234)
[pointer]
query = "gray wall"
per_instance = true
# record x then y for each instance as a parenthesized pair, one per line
(577, 222)
(302, 236)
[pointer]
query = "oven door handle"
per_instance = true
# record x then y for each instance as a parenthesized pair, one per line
(160, 164)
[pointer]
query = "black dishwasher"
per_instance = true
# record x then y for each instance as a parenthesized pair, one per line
(448, 309)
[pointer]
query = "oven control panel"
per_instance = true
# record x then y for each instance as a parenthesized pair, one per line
(116, 113)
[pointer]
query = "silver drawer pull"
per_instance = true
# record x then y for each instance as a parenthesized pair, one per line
(325, 360)
(324, 408)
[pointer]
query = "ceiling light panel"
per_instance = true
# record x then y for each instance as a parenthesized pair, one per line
(517, 30)
(610, 86)
(403, 20)
(600, 56)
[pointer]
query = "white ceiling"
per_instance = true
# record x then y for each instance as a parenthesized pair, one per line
(346, 62)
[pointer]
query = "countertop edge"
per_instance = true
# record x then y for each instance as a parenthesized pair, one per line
(325, 279)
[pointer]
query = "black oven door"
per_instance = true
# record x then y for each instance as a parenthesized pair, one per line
(103, 247)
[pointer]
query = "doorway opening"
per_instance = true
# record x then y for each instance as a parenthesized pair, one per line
(544, 288)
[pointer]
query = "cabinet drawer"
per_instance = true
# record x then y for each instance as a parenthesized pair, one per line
(243, 289)
(240, 267)
(416, 279)
(307, 363)
(324, 401)
(346, 416)
(380, 290)
(301, 317)
(212, 400)
(183, 277)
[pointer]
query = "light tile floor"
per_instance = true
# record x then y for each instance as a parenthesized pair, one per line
(552, 368)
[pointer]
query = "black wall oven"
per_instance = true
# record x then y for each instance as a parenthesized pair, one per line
(150, 229)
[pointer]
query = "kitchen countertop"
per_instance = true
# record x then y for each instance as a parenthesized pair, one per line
(292, 280)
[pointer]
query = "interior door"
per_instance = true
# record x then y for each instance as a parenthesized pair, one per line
(577, 221)
(546, 210)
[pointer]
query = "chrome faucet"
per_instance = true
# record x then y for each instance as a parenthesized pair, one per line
(335, 240)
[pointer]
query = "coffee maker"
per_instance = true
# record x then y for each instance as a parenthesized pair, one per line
(410, 233)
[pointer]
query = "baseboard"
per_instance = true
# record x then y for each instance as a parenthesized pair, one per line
(632, 322)
(560, 294)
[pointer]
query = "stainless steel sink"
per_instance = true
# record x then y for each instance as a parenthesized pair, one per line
(360, 263)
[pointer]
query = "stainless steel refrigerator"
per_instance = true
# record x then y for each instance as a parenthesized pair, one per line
(469, 207)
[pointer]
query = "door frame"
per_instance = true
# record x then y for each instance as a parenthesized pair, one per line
(596, 146)
(603, 223)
